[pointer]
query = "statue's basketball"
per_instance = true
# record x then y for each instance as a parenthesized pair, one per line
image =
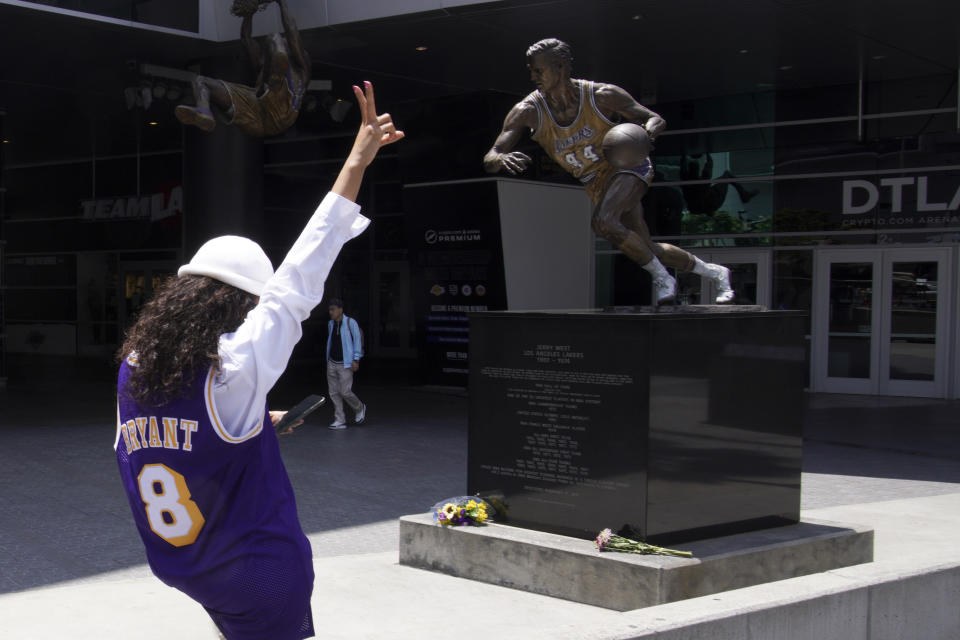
(626, 145)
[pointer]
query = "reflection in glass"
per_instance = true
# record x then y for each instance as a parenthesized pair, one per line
(134, 292)
(913, 321)
(689, 286)
(743, 279)
(793, 280)
(850, 325)
(390, 323)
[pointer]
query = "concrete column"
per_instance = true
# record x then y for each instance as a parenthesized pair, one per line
(222, 175)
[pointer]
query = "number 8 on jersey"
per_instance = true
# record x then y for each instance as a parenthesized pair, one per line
(171, 513)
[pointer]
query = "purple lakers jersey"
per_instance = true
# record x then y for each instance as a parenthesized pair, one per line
(216, 513)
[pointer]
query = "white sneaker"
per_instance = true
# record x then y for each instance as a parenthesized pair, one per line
(666, 288)
(337, 425)
(362, 414)
(721, 277)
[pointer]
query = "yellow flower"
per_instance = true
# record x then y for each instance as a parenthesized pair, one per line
(472, 504)
(449, 510)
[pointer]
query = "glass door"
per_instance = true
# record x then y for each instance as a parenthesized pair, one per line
(880, 322)
(392, 325)
(845, 344)
(914, 323)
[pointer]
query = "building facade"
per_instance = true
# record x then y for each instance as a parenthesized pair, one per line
(813, 147)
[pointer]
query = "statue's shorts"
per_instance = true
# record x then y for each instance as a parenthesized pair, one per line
(267, 115)
(596, 183)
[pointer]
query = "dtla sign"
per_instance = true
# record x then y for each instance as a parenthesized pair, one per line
(862, 196)
(156, 207)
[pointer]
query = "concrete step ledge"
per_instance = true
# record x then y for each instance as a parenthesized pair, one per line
(857, 603)
(572, 569)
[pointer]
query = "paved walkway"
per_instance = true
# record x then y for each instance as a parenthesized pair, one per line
(71, 563)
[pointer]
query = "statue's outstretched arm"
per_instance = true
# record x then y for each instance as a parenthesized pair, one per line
(250, 44)
(522, 118)
(297, 52)
(612, 99)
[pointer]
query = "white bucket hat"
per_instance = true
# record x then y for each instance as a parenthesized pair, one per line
(232, 259)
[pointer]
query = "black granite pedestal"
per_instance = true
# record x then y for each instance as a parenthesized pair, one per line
(669, 424)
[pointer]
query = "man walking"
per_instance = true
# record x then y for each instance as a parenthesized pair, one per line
(344, 350)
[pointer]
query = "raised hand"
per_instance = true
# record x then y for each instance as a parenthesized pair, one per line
(375, 130)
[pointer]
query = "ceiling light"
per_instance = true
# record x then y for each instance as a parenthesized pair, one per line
(421, 48)
(786, 67)
(744, 51)
(639, 16)
(6, 142)
(153, 123)
(878, 57)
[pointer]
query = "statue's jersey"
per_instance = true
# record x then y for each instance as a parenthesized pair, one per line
(216, 513)
(578, 147)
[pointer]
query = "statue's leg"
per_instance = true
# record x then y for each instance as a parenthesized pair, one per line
(623, 196)
(676, 258)
(668, 254)
(205, 91)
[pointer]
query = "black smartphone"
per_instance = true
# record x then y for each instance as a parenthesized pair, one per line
(304, 408)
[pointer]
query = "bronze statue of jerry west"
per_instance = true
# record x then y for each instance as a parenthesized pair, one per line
(569, 117)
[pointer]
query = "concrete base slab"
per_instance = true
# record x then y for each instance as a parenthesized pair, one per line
(572, 569)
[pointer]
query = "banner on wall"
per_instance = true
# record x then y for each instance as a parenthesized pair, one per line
(457, 254)
(156, 206)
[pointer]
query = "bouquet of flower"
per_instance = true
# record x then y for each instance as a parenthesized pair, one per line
(608, 541)
(462, 510)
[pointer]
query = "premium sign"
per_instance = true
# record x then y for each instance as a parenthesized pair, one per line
(862, 196)
(432, 236)
(156, 206)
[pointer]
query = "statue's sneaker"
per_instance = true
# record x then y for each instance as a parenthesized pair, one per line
(721, 278)
(666, 288)
(195, 116)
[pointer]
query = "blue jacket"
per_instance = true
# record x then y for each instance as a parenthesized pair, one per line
(349, 337)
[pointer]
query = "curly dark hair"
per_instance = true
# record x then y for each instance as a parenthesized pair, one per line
(177, 333)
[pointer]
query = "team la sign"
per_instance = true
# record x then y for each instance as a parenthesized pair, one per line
(862, 196)
(156, 207)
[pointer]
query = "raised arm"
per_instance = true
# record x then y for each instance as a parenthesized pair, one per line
(254, 55)
(521, 119)
(375, 132)
(299, 54)
(611, 99)
(254, 357)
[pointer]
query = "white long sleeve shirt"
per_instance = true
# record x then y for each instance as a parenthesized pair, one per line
(254, 357)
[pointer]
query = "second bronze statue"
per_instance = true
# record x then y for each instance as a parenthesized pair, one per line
(569, 118)
(272, 105)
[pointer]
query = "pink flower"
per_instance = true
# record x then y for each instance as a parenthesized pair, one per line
(603, 538)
